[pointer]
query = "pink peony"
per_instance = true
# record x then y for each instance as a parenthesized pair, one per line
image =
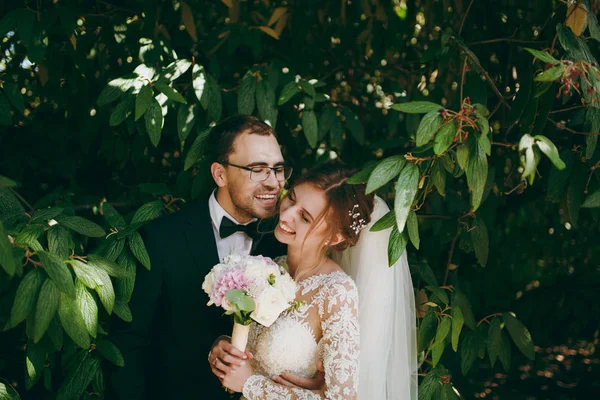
(233, 278)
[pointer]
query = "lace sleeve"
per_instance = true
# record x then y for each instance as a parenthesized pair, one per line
(340, 349)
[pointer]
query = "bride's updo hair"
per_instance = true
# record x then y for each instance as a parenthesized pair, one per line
(349, 209)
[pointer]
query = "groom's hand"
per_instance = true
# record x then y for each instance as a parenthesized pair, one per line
(291, 380)
(224, 357)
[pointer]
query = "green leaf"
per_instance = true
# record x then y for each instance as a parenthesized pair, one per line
(385, 222)
(438, 177)
(82, 226)
(429, 386)
(124, 286)
(35, 360)
(7, 392)
(58, 272)
(88, 308)
(406, 189)
(175, 69)
(426, 273)
(115, 89)
(413, 229)
(442, 331)
(444, 137)
(311, 129)
(122, 110)
(543, 56)
(246, 96)
(196, 150)
(468, 351)
(170, 92)
(110, 352)
(240, 300)
(136, 244)
(112, 216)
(79, 378)
(265, 102)
(154, 122)
(212, 100)
(326, 120)
(26, 297)
(550, 150)
(106, 292)
(430, 123)
(462, 155)
(504, 353)
(46, 214)
(439, 292)
(308, 88)
(494, 340)
(287, 93)
(73, 322)
(111, 268)
(427, 330)
(458, 321)
(354, 126)
(89, 275)
(199, 81)
(121, 310)
(147, 212)
(396, 246)
(5, 115)
(385, 171)
(6, 183)
(520, 335)
(417, 107)
(476, 171)
(143, 101)
(461, 301)
(592, 201)
(362, 176)
(13, 94)
(480, 240)
(7, 260)
(551, 74)
(186, 117)
(437, 352)
(528, 158)
(46, 307)
(593, 26)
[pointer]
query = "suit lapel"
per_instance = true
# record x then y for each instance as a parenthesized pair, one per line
(200, 237)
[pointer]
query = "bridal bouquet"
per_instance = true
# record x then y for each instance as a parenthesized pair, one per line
(252, 288)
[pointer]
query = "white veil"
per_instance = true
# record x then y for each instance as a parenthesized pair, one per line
(387, 316)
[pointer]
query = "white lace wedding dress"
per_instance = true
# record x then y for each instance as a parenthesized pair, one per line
(324, 328)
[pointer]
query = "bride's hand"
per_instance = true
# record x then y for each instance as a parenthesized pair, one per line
(236, 377)
(224, 356)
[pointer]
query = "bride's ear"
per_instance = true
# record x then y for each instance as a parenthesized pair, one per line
(335, 240)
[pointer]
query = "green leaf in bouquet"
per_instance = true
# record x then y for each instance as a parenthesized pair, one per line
(246, 96)
(35, 360)
(406, 189)
(385, 171)
(520, 335)
(138, 248)
(82, 226)
(26, 297)
(58, 272)
(88, 308)
(241, 300)
(46, 307)
(417, 107)
(385, 222)
(110, 352)
(7, 261)
(147, 212)
(72, 321)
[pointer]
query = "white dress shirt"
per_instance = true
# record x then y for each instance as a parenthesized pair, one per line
(238, 243)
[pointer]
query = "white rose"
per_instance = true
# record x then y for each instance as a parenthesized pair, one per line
(286, 285)
(232, 258)
(226, 304)
(260, 270)
(208, 283)
(269, 305)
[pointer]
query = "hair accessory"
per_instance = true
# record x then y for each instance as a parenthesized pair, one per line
(359, 223)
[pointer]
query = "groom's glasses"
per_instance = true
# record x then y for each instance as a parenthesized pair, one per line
(260, 174)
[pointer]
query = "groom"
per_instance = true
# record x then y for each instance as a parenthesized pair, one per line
(166, 345)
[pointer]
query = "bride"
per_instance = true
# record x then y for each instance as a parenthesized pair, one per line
(322, 215)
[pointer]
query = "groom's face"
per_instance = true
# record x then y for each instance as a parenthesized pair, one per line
(251, 198)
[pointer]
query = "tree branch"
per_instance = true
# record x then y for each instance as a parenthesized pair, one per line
(563, 127)
(22, 200)
(450, 254)
(462, 24)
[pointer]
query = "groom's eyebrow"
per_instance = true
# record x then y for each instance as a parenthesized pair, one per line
(264, 164)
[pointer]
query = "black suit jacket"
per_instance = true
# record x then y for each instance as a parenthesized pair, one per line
(166, 345)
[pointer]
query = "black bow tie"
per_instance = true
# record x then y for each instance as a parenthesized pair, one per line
(228, 228)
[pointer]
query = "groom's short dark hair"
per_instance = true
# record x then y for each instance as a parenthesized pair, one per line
(221, 139)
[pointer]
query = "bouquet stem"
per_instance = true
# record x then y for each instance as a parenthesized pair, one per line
(239, 337)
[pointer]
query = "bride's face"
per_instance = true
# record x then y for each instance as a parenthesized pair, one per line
(299, 215)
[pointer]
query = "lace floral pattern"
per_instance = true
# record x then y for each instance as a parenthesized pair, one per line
(326, 328)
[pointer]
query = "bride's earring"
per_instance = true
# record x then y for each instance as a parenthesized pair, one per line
(326, 243)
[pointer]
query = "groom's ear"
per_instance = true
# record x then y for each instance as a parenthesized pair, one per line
(218, 173)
